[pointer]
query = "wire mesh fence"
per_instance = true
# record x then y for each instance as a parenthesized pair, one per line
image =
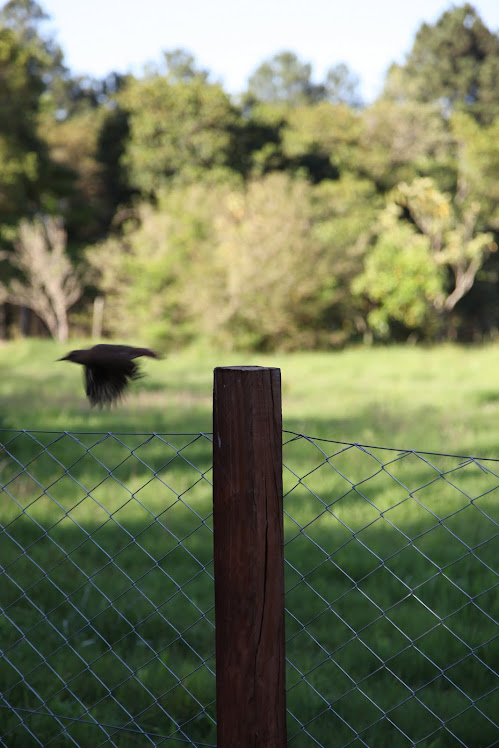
(107, 627)
(107, 622)
(392, 596)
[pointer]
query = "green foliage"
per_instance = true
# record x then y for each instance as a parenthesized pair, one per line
(342, 85)
(20, 147)
(400, 278)
(183, 129)
(478, 166)
(249, 221)
(272, 279)
(145, 269)
(111, 143)
(402, 140)
(30, 66)
(284, 79)
(74, 141)
(451, 229)
(259, 139)
(403, 272)
(321, 139)
(181, 67)
(24, 18)
(238, 266)
(455, 61)
(342, 210)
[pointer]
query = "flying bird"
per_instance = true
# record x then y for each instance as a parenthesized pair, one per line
(108, 369)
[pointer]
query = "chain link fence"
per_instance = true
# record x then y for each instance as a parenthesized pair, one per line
(107, 628)
(392, 596)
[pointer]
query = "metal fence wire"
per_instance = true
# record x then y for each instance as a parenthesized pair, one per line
(107, 590)
(106, 587)
(392, 596)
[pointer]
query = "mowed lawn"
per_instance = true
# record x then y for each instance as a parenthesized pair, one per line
(391, 555)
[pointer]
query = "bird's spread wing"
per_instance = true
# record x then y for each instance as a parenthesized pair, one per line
(116, 352)
(105, 385)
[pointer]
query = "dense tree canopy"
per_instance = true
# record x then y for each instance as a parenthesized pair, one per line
(455, 61)
(23, 155)
(182, 128)
(284, 78)
(289, 216)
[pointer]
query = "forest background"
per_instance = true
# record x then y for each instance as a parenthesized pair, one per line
(293, 216)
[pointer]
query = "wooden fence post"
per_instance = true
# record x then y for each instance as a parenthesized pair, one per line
(248, 557)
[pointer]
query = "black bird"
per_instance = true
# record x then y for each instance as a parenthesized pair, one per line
(108, 370)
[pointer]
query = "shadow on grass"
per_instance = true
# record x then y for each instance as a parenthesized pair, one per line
(392, 632)
(111, 623)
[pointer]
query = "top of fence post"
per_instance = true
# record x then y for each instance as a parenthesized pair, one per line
(248, 557)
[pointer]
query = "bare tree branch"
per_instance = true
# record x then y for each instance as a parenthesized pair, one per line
(454, 242)
(50, 285)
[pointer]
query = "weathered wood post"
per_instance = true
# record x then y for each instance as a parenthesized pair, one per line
(249, 565)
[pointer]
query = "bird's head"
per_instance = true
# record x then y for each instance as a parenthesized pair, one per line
(76, 356)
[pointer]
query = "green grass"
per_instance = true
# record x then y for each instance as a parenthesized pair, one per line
(107, 588)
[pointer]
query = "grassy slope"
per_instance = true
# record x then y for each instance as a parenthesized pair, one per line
(348, 566)
(444, 399)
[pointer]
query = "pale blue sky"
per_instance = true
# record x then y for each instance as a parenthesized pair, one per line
(232, 38)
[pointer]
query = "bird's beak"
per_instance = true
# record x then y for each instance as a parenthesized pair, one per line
(64, 358)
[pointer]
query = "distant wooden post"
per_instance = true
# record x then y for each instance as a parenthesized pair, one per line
(249, 566)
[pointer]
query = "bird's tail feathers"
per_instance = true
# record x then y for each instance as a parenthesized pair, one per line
(146, 352)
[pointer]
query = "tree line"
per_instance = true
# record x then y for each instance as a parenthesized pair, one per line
(290, 216)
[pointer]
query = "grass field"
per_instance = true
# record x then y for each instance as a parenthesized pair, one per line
(391, 571)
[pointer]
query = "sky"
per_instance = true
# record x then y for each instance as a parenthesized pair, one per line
(230, 38)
